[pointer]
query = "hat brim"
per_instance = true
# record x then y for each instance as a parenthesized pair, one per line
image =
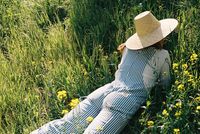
(136, 42)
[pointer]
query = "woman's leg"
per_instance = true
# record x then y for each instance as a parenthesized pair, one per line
(75, 120)
(118, 107)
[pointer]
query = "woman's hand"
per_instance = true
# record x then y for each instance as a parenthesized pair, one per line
(121, 47)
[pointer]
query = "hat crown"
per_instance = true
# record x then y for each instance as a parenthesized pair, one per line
(145, 23)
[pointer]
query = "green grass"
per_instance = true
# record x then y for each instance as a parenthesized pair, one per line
(53, 45)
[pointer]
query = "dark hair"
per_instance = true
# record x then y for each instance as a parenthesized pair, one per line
(158, 45)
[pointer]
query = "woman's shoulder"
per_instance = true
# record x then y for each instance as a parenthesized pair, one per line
(162, 53)
(163, 56)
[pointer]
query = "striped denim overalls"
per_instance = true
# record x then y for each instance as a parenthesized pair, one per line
(113, 104)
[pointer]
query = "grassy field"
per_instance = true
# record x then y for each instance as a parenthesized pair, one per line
(54, 51)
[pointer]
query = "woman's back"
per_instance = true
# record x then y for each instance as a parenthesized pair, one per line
(140, 69)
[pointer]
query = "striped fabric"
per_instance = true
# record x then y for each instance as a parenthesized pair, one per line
(113, 104)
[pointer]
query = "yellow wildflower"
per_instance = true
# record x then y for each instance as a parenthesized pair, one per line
(180, 87)
(175, 66)
(89, 119)
(150, 123)
(176, 71)
(61, 94)
(193, 57)
(191, 76)
(74, 103)
(176, 131)
(64, 111)
(186, 73)
(197, 99)
(190, 80)
(176, 82)
(178, 105)
(184, 66)
(178, 113)
(163, 102)
(198, 108)
(165, 113)
(148, 103)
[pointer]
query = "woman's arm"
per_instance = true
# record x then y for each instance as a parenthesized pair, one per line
(165, 75)
(121, 47)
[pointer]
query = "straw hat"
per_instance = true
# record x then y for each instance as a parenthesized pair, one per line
(149, 30)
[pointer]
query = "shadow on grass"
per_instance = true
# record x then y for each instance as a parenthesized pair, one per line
(157, 96)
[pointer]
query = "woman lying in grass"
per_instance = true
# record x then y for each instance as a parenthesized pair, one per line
(143, 65)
